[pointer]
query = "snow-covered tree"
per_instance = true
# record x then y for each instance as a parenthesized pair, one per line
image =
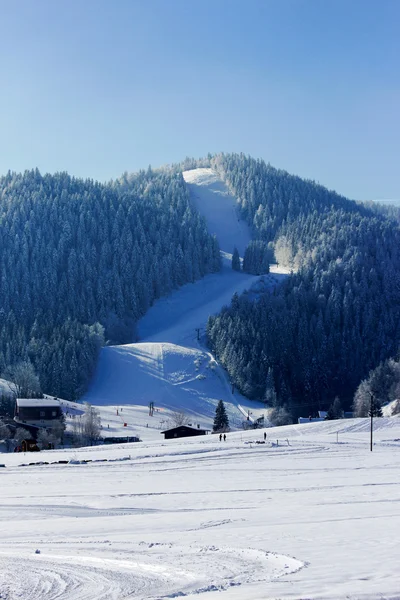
(21, 434)
(5, 435)
(335, 410)
(235, 260)
(44, 438)
(57, 431)
(280, 416)
(257, 258)
(91, 424)
(25, 382)
(270, 393)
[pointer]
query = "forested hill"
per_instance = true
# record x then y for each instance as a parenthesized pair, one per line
(81, 262)
(336, 318)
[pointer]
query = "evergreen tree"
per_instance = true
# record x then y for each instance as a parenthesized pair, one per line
(270, 393)
(221, 421)
(235, 260)
(335, 410)
(375, 409)
(257, 258)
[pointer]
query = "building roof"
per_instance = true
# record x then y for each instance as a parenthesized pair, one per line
(184, 427)
(38, 402)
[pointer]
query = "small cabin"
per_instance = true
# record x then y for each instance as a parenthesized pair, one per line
(29, 446)
(183, 431)
(37, 412)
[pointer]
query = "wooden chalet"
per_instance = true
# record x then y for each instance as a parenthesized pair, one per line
(37, 412)
(183, 431)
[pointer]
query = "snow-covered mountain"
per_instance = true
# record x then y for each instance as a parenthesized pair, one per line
(171, 365)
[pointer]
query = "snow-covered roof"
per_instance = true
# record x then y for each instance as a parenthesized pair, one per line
(37, 402)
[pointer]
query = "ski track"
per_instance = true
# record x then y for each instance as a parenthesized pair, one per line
(151, 570)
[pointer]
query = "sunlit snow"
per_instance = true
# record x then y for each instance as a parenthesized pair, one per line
(312, 513)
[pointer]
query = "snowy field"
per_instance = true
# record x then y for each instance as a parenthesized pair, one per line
(316, 516)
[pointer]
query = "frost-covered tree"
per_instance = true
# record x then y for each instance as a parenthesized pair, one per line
(21, 434)
(44, 439)
(91, 424)
(5, 435)
(57, 431)
(235, 260)
(335, 410)
(24, 381)
(382, 384)
(280, 416)
(7, 405)
(270, 393)
(257, 257)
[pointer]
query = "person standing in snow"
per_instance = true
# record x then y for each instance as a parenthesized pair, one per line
(220, 437)
(224, 437)
(265, 435)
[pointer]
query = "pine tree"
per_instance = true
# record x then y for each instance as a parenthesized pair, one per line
(375, 409)
(270, 393)
(235, 260)
(335, 410)
(221, 421)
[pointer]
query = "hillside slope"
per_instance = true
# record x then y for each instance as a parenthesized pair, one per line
(170, 366)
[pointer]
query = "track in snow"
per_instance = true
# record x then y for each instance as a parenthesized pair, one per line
(150, 570)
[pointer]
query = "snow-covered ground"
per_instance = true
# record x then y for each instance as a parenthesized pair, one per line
(309, 515)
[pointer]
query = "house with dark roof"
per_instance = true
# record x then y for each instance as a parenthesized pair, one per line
(183, 431)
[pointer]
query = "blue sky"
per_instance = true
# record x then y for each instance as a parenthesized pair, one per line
(99, 87)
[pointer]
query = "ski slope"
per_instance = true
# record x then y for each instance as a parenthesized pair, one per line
(312, 514)
(212, 198)
(171, 365)
(175, 378)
